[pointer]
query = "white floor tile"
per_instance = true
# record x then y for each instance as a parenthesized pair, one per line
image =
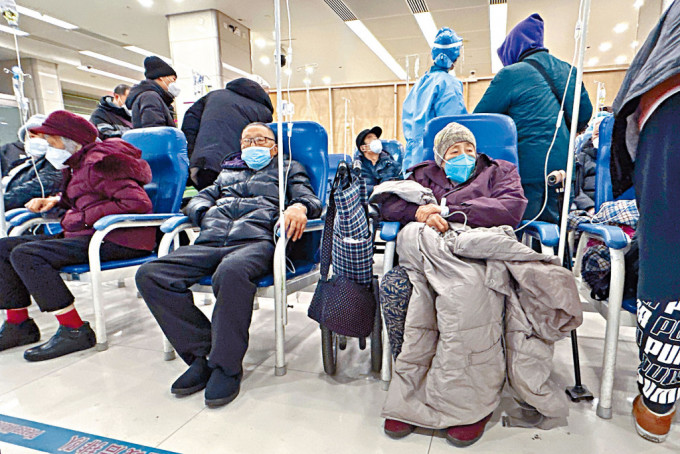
(297, 413)
(124, 393)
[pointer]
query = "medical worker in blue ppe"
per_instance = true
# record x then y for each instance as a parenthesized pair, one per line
(436, 94)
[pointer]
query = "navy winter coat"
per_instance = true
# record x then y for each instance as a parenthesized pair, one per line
(24, 186)
(214, 123)
(150, 105)
(385, 169)
(243, 204)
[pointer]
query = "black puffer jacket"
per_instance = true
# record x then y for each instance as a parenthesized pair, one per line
(110, 120)
(586, 161)
(10, 155)
(243, 204)
(24, 186)
(150, 105)
(213, 125)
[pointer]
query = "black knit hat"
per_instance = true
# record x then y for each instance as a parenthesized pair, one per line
(155, 67)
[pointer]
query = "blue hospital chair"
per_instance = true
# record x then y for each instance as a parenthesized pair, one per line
(395, 149)
(496, 136)
(618, 243)
(165, 149)
(309, 145)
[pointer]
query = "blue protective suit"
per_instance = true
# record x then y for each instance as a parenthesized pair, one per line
(436, 94)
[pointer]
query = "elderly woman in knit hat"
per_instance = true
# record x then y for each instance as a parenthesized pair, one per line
(468, 187)
(487, 191)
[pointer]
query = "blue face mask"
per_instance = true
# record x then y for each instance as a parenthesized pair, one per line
(459, 169)
(256, 157)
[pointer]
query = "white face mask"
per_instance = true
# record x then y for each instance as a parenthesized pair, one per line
(36, 147)
(174, 89)
(376, 146)
(57, 157)
(596, 142)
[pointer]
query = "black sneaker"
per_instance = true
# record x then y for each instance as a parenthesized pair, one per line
(65, 341)
(12, 335)
(222, 388)
(193, 380)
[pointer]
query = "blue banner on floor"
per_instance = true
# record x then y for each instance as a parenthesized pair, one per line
(46, 438)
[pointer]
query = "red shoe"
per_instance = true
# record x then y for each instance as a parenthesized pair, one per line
(397, 429)
(462, 436)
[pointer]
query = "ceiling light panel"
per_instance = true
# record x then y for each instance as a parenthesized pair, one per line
(45, 18)
(99, 72)
(115, 61)
(146, 53)
(366, 36)
(13, 31)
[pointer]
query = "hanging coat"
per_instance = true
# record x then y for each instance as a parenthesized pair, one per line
(436, 94)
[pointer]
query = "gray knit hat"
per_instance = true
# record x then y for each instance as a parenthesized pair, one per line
(450, 135)
(33, 122)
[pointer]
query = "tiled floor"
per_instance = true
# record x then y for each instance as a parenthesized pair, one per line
(123, 393)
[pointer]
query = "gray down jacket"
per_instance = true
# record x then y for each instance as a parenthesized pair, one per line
(459, 347)
(243, 204)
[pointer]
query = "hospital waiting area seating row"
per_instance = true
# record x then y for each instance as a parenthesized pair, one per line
(165, 151)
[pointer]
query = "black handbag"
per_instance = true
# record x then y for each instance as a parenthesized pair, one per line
(340, 304)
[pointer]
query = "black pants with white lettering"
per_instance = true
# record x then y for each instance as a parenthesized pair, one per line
(657, 187)
(164, 285)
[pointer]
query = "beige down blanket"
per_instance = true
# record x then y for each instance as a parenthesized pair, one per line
(484, 308)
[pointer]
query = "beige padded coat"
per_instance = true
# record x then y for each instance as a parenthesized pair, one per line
(484, 308)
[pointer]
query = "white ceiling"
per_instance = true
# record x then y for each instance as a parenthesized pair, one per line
(319, 35)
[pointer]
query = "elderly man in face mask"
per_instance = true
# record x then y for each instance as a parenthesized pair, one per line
(100, 178)
(377, 166)
(237, 215)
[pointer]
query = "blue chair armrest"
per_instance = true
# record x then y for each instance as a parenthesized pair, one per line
(23, 217)
(312, 226)
(174, 222)
(612, 236)
(108, 221)
(11, 214)
(547, 233)
(389, 231)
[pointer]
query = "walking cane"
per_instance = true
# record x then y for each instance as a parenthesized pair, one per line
(579, 391)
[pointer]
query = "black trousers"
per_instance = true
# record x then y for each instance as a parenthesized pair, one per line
(29, 265)
(164, 285)
(657, 188)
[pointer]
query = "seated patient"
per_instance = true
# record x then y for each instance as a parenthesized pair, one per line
(237, 215)
(489, 192)
(33, 176)
(450, 392)
(99, 179)
(377, 166)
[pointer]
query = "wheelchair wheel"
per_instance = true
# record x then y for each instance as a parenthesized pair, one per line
(376, 343)
(329, 350)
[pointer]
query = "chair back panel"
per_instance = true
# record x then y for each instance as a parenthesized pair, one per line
(165, 149)
(496, 135)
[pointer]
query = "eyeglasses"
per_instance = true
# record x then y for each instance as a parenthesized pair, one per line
(257, 141)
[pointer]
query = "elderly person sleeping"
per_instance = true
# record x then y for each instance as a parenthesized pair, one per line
(461, 284)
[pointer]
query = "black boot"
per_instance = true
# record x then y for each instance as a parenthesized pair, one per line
(222, 388)
(193, 380)
(65, 341)
(12, 335)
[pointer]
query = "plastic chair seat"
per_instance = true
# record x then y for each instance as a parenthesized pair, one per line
(630, 305)
(112, 265)
(301, 268)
